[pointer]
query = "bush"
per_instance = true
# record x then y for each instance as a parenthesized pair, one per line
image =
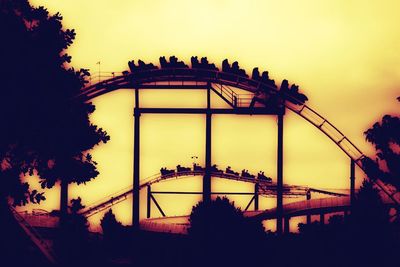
(221, 234)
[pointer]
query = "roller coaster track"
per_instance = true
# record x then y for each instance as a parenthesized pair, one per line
(298, 208)
(265, 188)
(221, 83)
(34, 236)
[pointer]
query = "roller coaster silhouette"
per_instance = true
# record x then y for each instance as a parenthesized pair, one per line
(263, 186)
(263, 97)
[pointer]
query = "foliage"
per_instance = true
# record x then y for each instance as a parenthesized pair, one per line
(369, 211)
(366, 229)
(47, 132)
(116, 237)
(219, 231)
(218, 220)
(385, 136)
(72, 241)
(109, 223)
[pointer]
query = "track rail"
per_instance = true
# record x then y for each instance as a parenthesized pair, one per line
(342, 142)
(35, 237)
(193, 76)
(265, 188)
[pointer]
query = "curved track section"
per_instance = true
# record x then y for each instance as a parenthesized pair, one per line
(171, 77)
(266, 188)
(223, 80)
(41, 244)
(180, 224)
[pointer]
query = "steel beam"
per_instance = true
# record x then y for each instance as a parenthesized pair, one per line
(166, 86)
(256, 196)
(248, 205)
(322, 218)
(157, 205)
(207, 174)
(136, 161)
(199, 193)
(279, 187)
(236, 111)
(308, 196)
(352, 182)
(148, 201)
(287, 225)
(63, 201)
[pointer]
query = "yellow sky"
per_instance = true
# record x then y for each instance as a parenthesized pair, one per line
(343, 54)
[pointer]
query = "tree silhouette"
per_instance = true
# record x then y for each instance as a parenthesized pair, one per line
(220, 232)
(369, 228)
(72, 242)
(369, 211)
(46, 131)
(109, 223)
(364, 238)
(116, 237)
(385, 136)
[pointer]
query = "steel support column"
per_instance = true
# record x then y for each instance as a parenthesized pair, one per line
(352, 182)
(148, 201)
(322, 218)
(207, 175)
(287, 225)
(308, 196)
(63, 201)
(136, 160)
(279, 186)
(256, 196)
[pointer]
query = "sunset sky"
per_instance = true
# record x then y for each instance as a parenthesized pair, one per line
(343, 54)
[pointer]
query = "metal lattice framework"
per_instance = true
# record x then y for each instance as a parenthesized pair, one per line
(33, 234)
(319, 206)
(222, 83)
(265, 188)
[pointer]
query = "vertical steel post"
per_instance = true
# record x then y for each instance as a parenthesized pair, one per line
(279, 187)
(322, 218)
(136, 158)
(256, 196)
(352, 182)
(287, 225)
(63, 201)
(148, 201)
(308, 196)
(207, 174)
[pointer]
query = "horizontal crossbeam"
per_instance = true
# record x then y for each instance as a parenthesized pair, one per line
(239, 111)
(199, 193)
(166, 86)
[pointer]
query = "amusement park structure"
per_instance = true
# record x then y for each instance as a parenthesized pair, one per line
(263, 186)
(263, 97)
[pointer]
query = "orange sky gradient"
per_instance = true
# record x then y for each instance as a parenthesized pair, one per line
(343, 54)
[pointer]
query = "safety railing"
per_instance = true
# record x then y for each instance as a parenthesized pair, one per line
(231, 79)
(328, 129)
(343, 142)
(35, 237)
(102, 76)
(266, 187)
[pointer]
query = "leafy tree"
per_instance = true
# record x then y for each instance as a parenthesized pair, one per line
(46, 129)
(369, 228)
(109, 224)
(220, 232)
(369, 211)
(385, 136)
(72, 242)
(115, 235)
